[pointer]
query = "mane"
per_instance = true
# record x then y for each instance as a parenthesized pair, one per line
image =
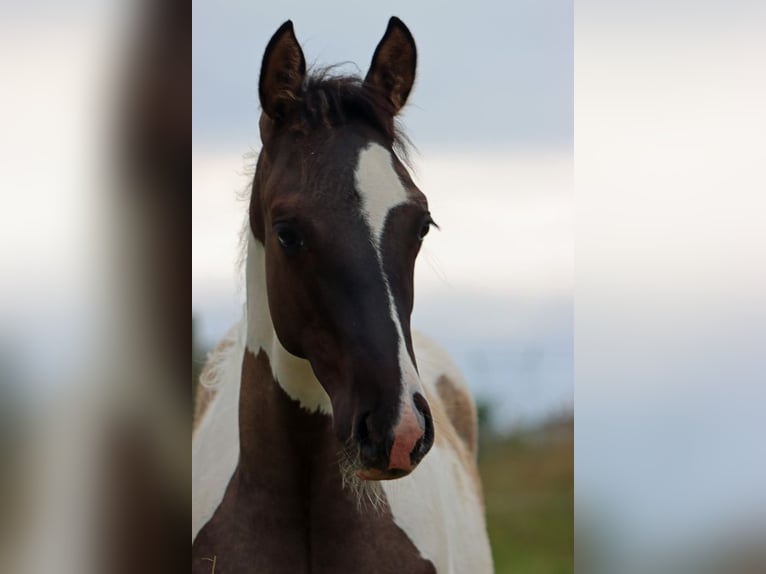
(328, 100)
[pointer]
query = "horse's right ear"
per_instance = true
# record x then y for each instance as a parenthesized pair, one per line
(282, 73)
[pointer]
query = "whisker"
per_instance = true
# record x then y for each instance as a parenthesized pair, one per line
(368, 494)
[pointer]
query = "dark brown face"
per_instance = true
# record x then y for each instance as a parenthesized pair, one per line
(340, 239)
(341, 224)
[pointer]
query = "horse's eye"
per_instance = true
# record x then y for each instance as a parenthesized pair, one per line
(289, 239)
(426, 227)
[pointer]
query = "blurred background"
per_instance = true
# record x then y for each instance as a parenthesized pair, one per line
(491, 117)
(670, 317)
(94, 318)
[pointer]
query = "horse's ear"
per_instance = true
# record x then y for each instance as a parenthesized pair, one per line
(282, 73)
(392, 71)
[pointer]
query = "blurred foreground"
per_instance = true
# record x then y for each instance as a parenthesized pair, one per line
(94, 176)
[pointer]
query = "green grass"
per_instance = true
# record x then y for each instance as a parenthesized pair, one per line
(528, 490)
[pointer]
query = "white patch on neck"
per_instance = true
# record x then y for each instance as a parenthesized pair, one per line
(215, 442)
(293, 374)
(381, 190)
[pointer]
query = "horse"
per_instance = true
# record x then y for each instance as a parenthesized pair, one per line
(330, 437)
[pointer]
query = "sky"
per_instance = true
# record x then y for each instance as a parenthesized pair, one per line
(490, 75)
(670, 274)
(491, 120)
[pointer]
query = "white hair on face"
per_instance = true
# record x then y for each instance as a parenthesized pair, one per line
(379, 187)
(294, 375)
(381, 190)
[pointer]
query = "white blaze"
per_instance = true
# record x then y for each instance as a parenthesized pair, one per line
(379, 187)
(381, 190)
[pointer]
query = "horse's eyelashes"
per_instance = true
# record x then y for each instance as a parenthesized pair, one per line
(426, 227)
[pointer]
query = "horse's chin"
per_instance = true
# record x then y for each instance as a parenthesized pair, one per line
(377, 474)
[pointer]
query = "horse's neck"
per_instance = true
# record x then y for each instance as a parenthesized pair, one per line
(294, 375)
(279, 440)
(279, 394)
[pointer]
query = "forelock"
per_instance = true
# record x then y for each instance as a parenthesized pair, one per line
(333, 100)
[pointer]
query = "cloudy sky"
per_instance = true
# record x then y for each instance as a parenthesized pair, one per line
(491, 118)
(490, 76)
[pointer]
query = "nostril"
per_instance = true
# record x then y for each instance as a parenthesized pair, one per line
(421, 405)
(363, 428)
(427, 440)
(423, 411)
(367, 449)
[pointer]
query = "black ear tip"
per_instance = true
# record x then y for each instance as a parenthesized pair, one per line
(284, 31)
(287, 26)
(394, 23)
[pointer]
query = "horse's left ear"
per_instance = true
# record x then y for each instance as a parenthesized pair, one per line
(392, 71)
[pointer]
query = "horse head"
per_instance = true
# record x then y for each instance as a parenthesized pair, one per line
(341, 223)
